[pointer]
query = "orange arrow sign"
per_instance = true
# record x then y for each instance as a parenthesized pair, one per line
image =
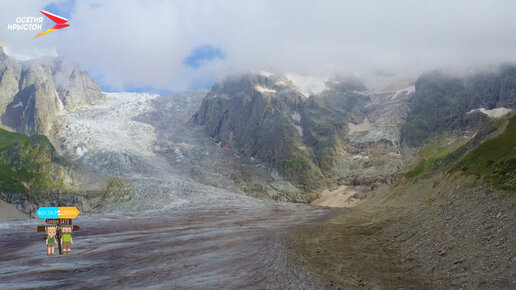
(68, 212)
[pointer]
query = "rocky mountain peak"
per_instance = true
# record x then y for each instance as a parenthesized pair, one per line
(33, 92)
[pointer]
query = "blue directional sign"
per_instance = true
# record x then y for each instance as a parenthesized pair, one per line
(48, 212)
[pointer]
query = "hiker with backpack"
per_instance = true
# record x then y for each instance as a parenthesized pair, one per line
(50, 240)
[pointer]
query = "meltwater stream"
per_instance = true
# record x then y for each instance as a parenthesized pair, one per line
(176, 232)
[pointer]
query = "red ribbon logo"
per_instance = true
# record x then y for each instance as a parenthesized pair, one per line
(60, 23)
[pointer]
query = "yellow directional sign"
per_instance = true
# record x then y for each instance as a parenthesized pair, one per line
(68, 212)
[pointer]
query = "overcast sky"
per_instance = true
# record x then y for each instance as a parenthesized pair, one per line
(172, 45)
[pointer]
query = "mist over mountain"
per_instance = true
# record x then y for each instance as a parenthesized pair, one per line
(148, 45)
(445, 102)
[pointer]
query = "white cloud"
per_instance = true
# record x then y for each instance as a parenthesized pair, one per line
(143, 43)
(20, 42)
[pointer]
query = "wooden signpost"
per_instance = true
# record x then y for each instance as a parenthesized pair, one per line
(61, 216)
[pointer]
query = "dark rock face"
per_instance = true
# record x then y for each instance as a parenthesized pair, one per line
(324, 121)
(29, 167)
(259, 117)
(87, 201)
(33, 92)
(441, 102)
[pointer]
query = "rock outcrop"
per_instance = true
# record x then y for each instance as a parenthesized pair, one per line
(444, 103)
(259, 117)
(34, 92)
(74, 86)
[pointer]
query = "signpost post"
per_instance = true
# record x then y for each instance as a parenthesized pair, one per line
(58, 216)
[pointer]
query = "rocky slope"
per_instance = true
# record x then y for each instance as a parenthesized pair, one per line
(356, 133)
(442, 232)
(33, 93)
(345, 135)
(450, 228)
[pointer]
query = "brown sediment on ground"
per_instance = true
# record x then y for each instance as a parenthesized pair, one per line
(442, 232)
(346, 253)
(364, 126)
(344, 196)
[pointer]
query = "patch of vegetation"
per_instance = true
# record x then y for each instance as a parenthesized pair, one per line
(494, 160)
(27, 163)
(295, 163)
(418, 170)
(437, 155)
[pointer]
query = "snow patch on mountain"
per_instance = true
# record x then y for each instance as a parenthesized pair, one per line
(494, 113)
(405, 91)
(264, 89)
(265, 73)
(307, 84)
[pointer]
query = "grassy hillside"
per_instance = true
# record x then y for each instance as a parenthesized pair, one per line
(494, 160)
(440, 152)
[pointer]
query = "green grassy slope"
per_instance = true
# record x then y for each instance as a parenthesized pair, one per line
(494, 160)
(438, 156)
